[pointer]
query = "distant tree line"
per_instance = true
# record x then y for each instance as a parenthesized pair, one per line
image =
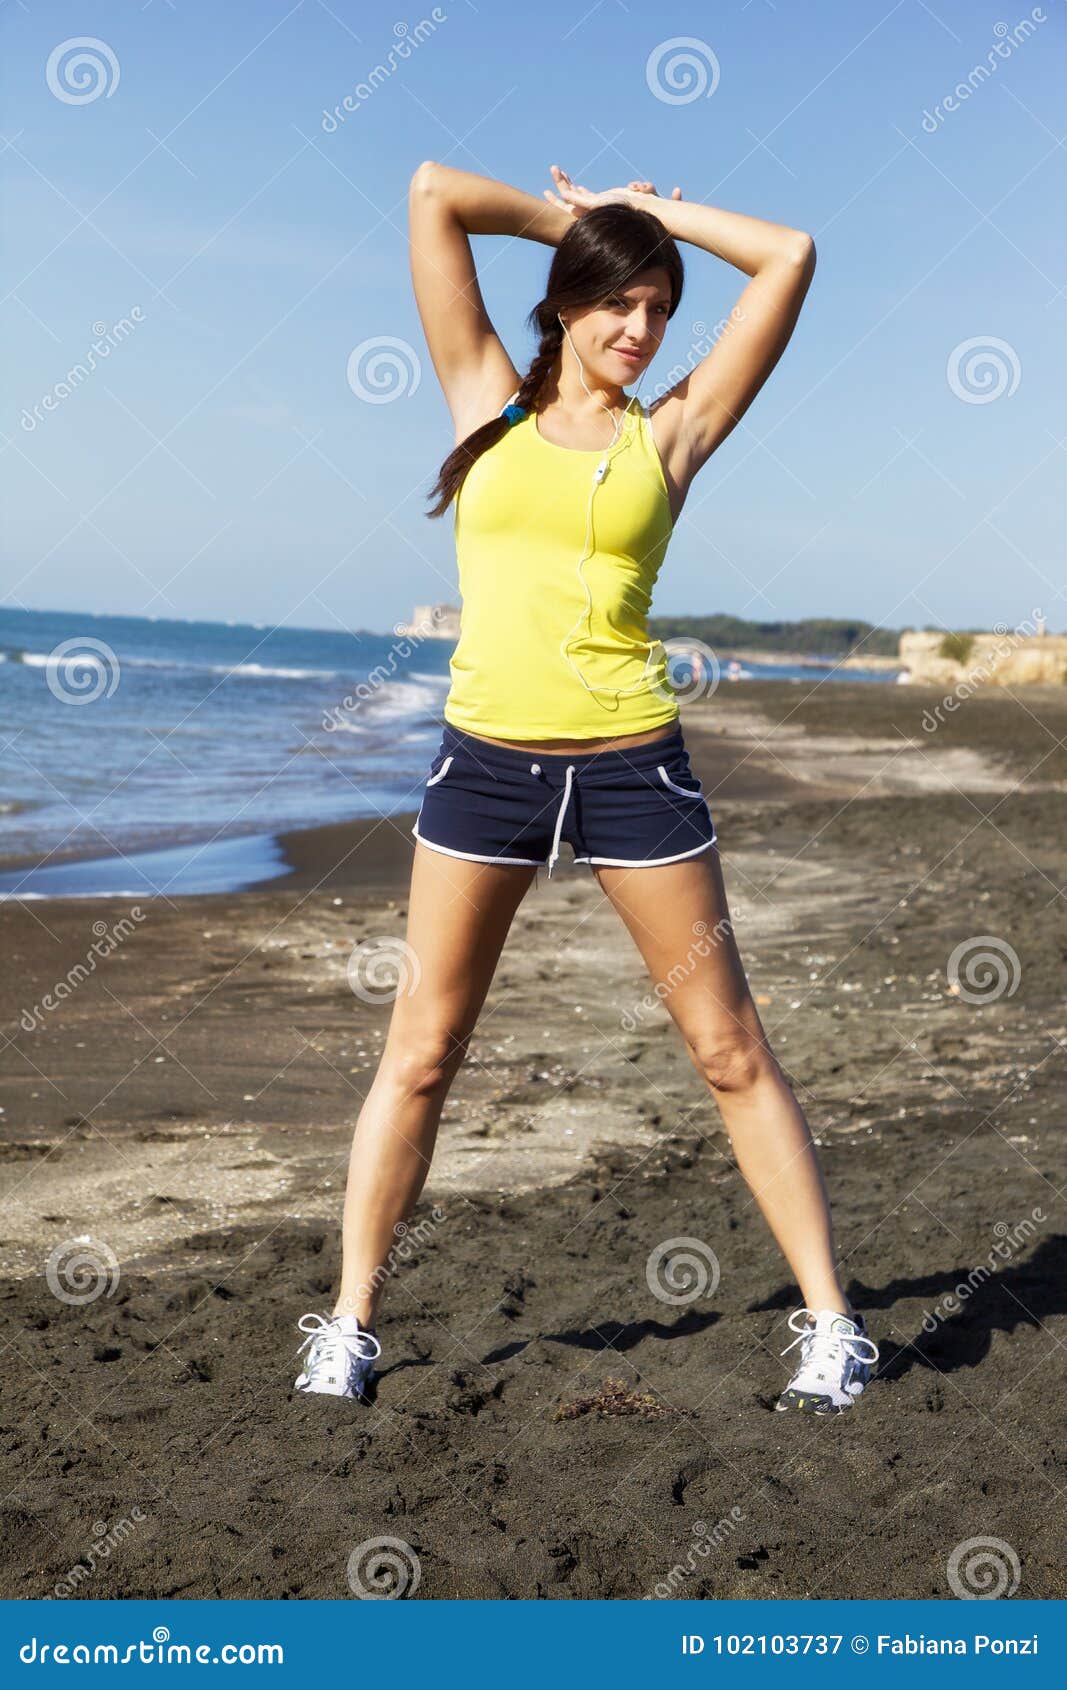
(815, 636)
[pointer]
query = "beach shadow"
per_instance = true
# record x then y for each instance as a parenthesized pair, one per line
(401, 1366)
(609, 1334)
(958, 1334)
(962, 1309)
(612, 1334)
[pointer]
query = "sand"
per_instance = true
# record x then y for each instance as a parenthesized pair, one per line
(546, 1427)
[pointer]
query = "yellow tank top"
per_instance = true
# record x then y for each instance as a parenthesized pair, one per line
(541, 655)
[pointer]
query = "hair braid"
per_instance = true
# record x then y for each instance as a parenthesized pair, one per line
(600, 252)
(536, 376)
(454, 470)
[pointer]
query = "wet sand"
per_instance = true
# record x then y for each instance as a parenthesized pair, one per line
(189, 1105)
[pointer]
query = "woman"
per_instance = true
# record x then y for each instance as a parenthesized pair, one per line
(561, 722)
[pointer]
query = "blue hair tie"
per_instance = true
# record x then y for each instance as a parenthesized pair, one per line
(514, 414)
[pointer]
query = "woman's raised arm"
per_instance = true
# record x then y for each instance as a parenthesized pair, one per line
(701, 409)
(446, 206)
(705, 406)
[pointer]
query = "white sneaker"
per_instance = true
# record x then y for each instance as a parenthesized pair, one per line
(836, 1358)
(341, 1355)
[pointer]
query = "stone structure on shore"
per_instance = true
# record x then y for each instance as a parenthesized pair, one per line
(432, 622)
(1026, 655)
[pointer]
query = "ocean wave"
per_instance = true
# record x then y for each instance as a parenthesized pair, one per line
(365, 707)
(34, 897)
(258, 671)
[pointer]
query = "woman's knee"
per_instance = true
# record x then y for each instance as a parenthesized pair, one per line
(426, 1062)
(733, 1061)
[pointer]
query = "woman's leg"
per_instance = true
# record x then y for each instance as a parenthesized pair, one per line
(459, 914)
(678, 917)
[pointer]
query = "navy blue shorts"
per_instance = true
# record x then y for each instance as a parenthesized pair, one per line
(625, 808)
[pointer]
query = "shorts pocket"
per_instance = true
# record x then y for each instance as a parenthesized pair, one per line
(441, 772)
(693, 791)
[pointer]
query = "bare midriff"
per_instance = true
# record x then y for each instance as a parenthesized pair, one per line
(621, 743)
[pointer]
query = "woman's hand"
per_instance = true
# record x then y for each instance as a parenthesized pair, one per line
(647, 188)
(576, 200)
(573, 198)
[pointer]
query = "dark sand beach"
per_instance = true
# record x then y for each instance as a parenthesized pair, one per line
(190, 1105)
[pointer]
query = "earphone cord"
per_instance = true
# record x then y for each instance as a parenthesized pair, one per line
(598, 476)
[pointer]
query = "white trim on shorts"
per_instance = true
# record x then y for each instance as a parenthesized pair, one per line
(472, 856)
(667, 781)
(647, 862)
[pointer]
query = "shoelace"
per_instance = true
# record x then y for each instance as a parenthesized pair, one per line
(321, 1332)
(823, 1351)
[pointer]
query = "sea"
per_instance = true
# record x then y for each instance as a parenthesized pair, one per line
(143, 756)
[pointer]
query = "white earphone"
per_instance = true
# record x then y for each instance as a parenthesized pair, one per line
(598, 476)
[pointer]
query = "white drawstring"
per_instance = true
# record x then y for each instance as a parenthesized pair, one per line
(535, 769)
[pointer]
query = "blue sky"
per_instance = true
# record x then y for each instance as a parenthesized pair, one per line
(217, 462)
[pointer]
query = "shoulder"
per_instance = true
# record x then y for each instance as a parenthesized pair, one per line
(664, 418)
(641, 422)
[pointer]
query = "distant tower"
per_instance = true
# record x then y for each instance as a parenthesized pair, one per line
(432, 622)
(1040, 623)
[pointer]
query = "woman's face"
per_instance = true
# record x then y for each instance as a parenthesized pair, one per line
(618, 338)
